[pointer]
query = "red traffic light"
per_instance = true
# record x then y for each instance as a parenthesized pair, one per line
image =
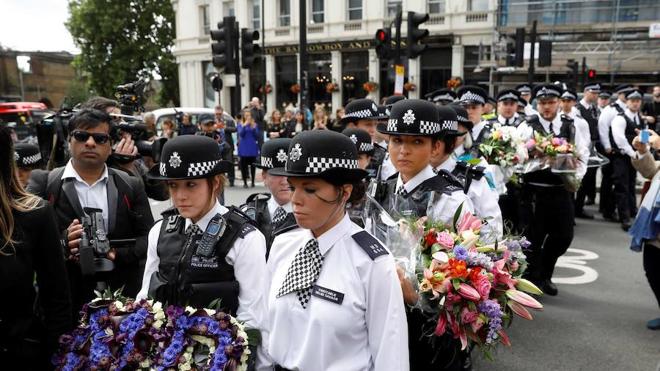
(591, 74)
(382, 35)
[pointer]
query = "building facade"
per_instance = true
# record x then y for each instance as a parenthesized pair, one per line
(340, 37)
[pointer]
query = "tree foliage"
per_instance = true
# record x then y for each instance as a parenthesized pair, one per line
(122, 40)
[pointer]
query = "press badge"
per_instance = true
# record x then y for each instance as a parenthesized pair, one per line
(327, 294)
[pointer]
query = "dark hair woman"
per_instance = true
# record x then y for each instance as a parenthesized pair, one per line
(335, 301)
(29, 246)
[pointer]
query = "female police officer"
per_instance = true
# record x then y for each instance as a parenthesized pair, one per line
(334, 301)
(202, 251)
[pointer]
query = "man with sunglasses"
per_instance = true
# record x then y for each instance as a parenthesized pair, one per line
(86, 182)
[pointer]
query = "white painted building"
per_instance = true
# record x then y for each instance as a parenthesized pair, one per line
(340, 36)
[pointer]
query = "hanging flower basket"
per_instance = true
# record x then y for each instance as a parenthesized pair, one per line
(331, 87)
(295, 88)
(454, 83)
(370, 86)
(409, 86)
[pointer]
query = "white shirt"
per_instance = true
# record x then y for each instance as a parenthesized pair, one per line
(444, 205)
(387, 168)
(485, 201)
(366, 331)
(273, 205)
(502, 120)
(619, 132)
(581, 126)
(95, 195)
(476, 130)
(529, 110)
(247, 256)
(605, 120)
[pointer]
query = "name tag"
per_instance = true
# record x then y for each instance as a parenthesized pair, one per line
(327, 294)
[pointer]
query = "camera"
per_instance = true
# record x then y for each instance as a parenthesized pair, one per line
(52, 134)
(94, 244)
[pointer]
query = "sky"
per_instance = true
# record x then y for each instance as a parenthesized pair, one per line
(45, 30)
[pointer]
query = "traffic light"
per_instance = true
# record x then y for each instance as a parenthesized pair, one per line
(545, 53)
(384, 43)
(216, 82)
(415, 45)
(591, 74)
(249, 50)
(572, 73)
(519, 48)
(222, 49)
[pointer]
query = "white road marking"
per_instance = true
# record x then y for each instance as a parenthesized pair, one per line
(577, 259)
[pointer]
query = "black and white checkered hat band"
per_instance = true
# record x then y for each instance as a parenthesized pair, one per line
(429, 127)
(366, 147)
(201, 168)
(443, 97)
(317, 165)
(506, 96)
(548, 92)
(365, 113)
(568, 95)
(30, 160)
(471, 97)
(449, 125)
(267, 162)
(461, 118)
(162, 170)
(634, 95)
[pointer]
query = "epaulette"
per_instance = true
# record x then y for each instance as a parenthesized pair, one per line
(246, 224)
(171, 219)
(393, 176)
(566, 118)
(370, 244)
(258, 197)
(454, 183)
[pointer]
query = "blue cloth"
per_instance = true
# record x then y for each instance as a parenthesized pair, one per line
(187, 129)
(248, 137)
(647, 222)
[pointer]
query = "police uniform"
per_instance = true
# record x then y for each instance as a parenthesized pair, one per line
(475, 95)
(387, 168)
(27, 156)
(362, 141)
(607, 203)
(516, 119)
(549, 205)
(441, 97)
(334, 301)
(272, 218)
(437, 196)
(622, 133)
(589, 112)
(526, 89)
(221, 256)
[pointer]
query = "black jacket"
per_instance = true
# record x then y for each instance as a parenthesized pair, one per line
(37, 251)
(129, 217)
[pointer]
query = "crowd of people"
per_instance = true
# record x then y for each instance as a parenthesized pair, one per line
(296, 263)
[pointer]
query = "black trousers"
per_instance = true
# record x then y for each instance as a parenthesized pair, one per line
(652, 269)
(551, 229)
(607, 204)
(511, 206)
(623, 177)
(587, 189)
(228, 155)
(247, 163)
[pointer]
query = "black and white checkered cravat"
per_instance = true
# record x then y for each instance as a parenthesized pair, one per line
(193, 229)
(303, 272)
(401, 191)
(279, 215)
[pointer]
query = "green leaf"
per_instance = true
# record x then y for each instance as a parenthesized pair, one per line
(457, 215)
(456, 283)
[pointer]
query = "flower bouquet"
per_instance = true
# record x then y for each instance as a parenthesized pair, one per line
(120, 333)
(504, 149)
(558, 153)
(473, 289)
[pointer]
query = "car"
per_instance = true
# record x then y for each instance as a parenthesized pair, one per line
(163, 114)
(23, 117)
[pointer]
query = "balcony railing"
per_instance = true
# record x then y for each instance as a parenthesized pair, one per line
(283, 31)
(353, 26)
(436, 19)
(476, 17)
(317, 28)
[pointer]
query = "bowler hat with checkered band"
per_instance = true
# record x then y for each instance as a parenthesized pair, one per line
(322, 154)
(27, 155)
(414, 117)
(189, 157)
(361, 109)
(273, 154)
(462, 115)
(362, 140)
(472, 94)
(441, 96)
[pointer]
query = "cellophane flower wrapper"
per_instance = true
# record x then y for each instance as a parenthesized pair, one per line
(504, 149)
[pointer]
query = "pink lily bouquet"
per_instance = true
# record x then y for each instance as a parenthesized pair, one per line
(474, 289)
(558, 153)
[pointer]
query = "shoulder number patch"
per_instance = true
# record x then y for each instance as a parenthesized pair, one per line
(245, 229)
(369, 244)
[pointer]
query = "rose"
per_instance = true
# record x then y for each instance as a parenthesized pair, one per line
(445, 239)
(482, 285)
(468, 316)
(530, 144)
(556, 142)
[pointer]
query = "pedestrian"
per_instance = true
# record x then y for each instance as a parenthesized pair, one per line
(28, 158)
(334, 301)
(259, 117)
(167, 129)
(276, 127)
(603, 100)
(226, 126)
(645, 231)
(441, 97)
(300, 124)
(248, 147)
(320, 121)
(525, 91)
(551, 206)
(623, 130)
(473, 98)
(336, 122)
(185, 125)
(30, 257)
(507, 108)
(588, 107)
(149, 120)
(365, 150)
(202, 251)
(651, 110)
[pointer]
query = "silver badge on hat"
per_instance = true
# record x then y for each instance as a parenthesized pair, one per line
(281, 155)
(374, 107)
(296, 152)
(408, 117)
(175, 160)
(16, 156)
(353, 138)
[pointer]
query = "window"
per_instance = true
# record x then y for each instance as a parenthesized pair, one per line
(436, 6)
(318, 8)
(209, 94)
(355, 72)
(286, 75)
(228, 9)
(392, 6)
(256, 14)
(477, 5)
(354, 10)
(204, 19)
(284, 13)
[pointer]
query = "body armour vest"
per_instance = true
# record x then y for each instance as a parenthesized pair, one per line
(376, 161)
(256, 207)
(567, 131)
(194, 272)
(630, 130)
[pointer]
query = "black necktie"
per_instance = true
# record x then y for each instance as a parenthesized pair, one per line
(303, 272)
(506, 123)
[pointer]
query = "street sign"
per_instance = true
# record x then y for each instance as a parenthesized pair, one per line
(654, 30)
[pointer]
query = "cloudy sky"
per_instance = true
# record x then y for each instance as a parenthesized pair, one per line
(30, 25)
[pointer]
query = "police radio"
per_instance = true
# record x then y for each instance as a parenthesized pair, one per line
(214, 231)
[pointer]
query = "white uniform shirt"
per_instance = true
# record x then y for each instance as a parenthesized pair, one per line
(502, 120)
(367, 330)
(387, 168)
(529, 110)
(95, 195)
(446, 205)
(273, 205)
(485, 201)
(605, 120)
(581, 143)
(247, 256)
(476, 130)
(581, 126)
(619, 132)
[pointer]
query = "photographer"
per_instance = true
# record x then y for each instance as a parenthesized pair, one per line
(125, 149)
(86, 181)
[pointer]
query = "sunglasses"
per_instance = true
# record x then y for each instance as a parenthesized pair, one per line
(83, 136)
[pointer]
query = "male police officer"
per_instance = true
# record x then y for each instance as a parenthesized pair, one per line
(473, 98)
(525, 91)
(588, 108)
(441, 97)
(507, 108)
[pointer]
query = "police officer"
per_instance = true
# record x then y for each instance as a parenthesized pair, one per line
(272, 211)
(588, 107)
(622, 133)
(414, 128)
(334, 300)
(463, 142)
(507, 108)
(490, 109)
(525, 91)
(473, 98)
(365, 149)
(441, 97)
(387, 169)
(603, 100)
(28, 158)
(364, 114)
(607, 204)
(552, 212)
(202, 251)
